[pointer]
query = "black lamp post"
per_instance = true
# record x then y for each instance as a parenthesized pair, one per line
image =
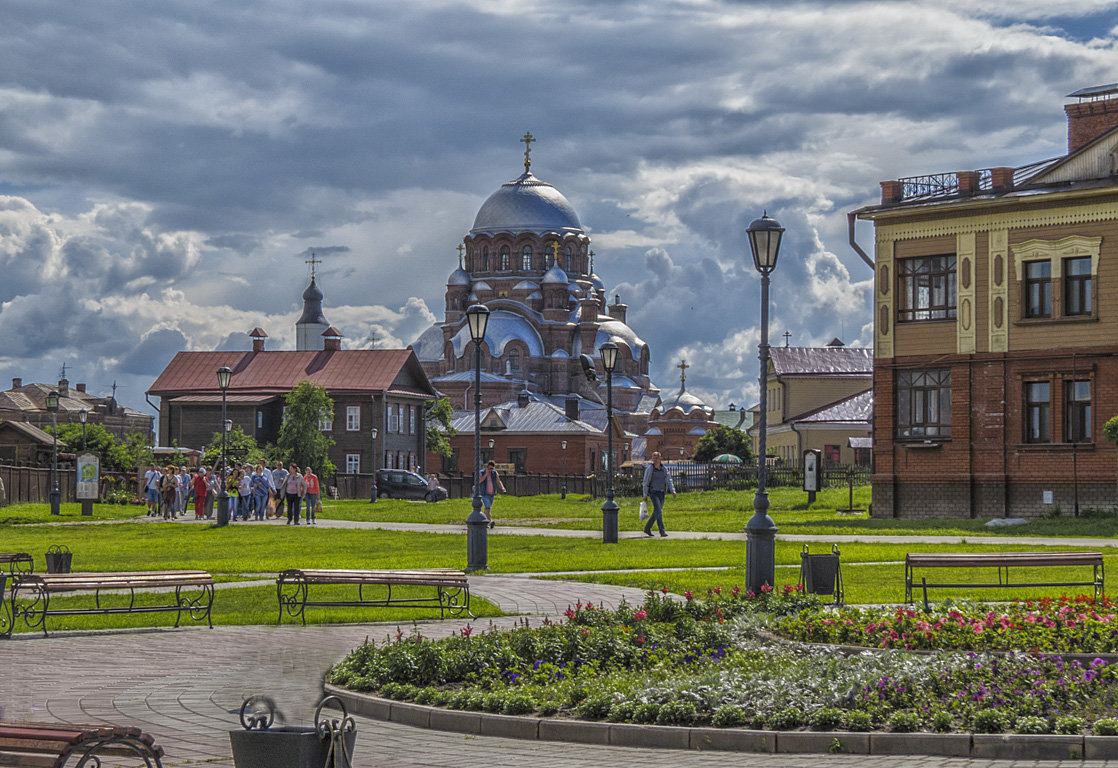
(83, 416)
(477, 530)
(372, 467)
(55, 494)
(608, 351)
(760, 531)
(224, 375)
(563, 487)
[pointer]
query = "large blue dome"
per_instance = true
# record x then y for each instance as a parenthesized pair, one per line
(526, 205)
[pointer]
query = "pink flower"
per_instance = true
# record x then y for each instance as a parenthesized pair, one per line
(664, 590)
(718, 590)
(639, 615)
(688, 595)
(467, 631)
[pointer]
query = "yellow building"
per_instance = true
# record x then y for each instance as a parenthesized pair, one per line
(819, 398)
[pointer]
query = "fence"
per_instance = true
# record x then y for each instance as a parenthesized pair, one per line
(687, 476)
(33, 484)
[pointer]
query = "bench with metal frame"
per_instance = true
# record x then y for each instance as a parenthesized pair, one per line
(17, 563)
(452, 590)
(1002, 561)
(36, 590)
(61, 745)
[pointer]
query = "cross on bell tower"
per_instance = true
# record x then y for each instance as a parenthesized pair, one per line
(313, 261)
(787, 336)
(461, 248)
(683, 366)
(527, 138)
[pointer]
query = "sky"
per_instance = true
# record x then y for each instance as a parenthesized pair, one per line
(166, 169)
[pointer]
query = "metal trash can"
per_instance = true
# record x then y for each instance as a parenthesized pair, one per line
(259, 745)
(59, 558)
(821, 574)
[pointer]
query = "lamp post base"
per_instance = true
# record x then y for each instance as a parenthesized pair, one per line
(609, 520)
(477, 539)
(222, 509)
(760, 547)
(87, 507)
(55, 502)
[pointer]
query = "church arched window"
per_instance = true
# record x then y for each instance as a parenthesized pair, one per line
(485, 258)
(504, 258)
(514, 360)
(570, 260)
(526, 258)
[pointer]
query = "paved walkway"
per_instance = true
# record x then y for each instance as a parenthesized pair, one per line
(186, 686)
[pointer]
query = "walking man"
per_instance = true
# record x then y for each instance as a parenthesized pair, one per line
(490, 482)
(657, 482)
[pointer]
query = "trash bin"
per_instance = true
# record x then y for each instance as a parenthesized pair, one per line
(260, 745)
(59, 558)
(820, 574)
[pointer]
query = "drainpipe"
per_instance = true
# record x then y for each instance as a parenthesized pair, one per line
(851, 218)
(799, 442)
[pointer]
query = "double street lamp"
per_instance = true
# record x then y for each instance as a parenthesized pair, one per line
(224, 376)
(608, 351)
(477, 530)
(55, 494)
(760, 531)
(83, 416)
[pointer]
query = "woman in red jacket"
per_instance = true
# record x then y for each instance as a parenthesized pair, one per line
(200, 491)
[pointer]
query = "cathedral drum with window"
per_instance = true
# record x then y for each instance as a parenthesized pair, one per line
(996, 332)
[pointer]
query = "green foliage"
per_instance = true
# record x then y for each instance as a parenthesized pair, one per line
(1070, 725)
(1031, 724)
(1107, 726)
(826, 719)
(115, 455)
(904, 722)
(137, 447)
(723, 439)
(989, 721)
(436, 418)
(1110, 430)
(729, 716)
(857, 721)
(300, 440)
(787, 719)
(239, 447)
(942, 721)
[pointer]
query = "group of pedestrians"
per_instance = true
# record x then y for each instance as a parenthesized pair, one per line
(255, 493)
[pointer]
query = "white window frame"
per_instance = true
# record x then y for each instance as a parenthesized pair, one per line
(393, 418)
(352, 463)
(326, 424)
(413, 410)
(353, 418)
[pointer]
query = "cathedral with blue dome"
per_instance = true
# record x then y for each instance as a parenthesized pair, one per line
(528, 259)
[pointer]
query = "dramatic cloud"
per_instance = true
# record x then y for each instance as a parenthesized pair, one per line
(166, 170)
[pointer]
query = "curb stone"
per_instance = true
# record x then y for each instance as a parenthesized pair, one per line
(1007, 746)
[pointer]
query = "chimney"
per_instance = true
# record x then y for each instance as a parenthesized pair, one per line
(891, 192)
(617, 310)
(332, 339)
(1001, 178)
(258, 336)
(16, 382)
(63, 387)
(1087, 120)
(522, 399)
(968, 182)
(80, 388)
(572, 408)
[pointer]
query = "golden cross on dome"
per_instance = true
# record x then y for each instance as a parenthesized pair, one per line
(591, 262)
(528, 139)
(460, 249)
(683, 366)
(555, 252)
(312, 261)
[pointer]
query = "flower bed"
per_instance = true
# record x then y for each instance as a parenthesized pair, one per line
(1065, 625)
(699, 662)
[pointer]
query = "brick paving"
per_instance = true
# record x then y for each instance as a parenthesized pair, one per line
(185, 687)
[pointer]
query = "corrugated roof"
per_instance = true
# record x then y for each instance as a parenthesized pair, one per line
(31, 431)
(536, 416)
(230, 399)
(854, 409)
(358, 370)
(829, 361)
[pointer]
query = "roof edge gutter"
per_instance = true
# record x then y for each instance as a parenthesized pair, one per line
(851, 219)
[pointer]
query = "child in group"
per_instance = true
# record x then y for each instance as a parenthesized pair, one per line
(312, 497)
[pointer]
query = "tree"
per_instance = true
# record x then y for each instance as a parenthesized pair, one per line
(1110, 430)
(301, 439)
(115, 455)
(239, 447)
(723, 439)
(437, 420)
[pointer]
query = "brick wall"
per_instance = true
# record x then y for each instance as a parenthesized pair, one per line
(1088, 120)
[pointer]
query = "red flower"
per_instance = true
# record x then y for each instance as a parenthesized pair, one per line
(766, 588)
(467, 631)
(664, 590)
(569, 613)
(718, 590)
(689, 595)
(639, 615)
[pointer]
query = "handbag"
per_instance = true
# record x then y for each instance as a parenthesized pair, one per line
(644, 510)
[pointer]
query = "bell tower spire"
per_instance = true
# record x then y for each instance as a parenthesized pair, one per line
(312, 323)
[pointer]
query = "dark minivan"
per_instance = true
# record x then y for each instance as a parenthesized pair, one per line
(402, 484)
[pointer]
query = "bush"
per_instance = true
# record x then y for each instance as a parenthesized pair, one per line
(621, 712)
(493, 702)
(1107, 726)
(1070, 725)
(594, 707)
(904, 722)
(989, 721)
(646, 713)
(475, 701)
(1031, 724)
(518, 704)
(548, 708)
(942, 721)
(784, 720)
(442, 698)
(826, 719)
(729, 716)
(460, 700)
(677, 713)
(858, 720)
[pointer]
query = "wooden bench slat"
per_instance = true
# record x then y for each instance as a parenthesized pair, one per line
(28, 759)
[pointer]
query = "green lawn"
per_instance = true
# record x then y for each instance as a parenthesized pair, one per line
(18, 514)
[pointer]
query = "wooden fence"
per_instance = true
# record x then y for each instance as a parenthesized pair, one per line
(33, 484)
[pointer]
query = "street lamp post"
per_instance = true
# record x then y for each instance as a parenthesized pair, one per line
(55, 494)
(372, 465)
(224, 376)
(477, 530)
(760, 531)
(563, 487)
(83, 416)
(608, 351)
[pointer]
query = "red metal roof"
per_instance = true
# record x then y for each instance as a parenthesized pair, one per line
(276, 372)
(230, 399)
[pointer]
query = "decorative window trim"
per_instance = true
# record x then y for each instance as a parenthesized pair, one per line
(353, 418)
(1056, 251)
(352, 463)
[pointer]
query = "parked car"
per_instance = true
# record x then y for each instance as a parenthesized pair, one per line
(402, 484)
